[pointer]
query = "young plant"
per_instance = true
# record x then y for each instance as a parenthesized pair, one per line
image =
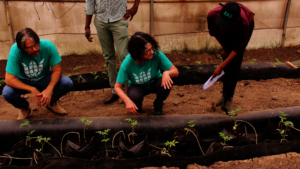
(225, 138)
(86, 123)
(77, 67)
(221, 58)
(169, 145)
(191, 125)
(103, 72)
(104, 65)
(95, 75)
(199, 62)
(26, 123)
(187, 67)
(283, 123)
(216, 66)
(233, 114)
(2, 82)
(42, 140)
(69, 76)
(104, 133)
(277, 62)
(253, 61)
(133, 124)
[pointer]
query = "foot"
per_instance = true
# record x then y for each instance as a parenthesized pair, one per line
(158, 113)
(113, 97)
(23, 113)
(57, 109)
(227, 107)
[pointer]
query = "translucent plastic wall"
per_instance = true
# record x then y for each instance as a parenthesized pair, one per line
(177, 24)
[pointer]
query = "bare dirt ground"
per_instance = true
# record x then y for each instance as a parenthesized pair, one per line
(189, 99)
(286, 161)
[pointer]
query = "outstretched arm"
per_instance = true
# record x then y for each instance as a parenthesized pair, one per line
(130, 106)
(166, 77)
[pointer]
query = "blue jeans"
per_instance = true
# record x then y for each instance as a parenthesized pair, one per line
(12, 95)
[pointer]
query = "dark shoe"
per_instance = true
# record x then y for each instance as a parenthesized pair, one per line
(24, 112)
(158, 113)
(227, 107)
(113, 97)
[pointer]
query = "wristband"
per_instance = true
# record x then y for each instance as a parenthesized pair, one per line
(87, 27)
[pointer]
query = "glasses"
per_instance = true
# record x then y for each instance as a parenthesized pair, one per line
(148, 51)
(31, 47)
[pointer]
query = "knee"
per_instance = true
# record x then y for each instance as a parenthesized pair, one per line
(134, 95)
(7, 93)
(66, 83)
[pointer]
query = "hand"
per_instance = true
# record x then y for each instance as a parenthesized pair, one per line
(166, 81)
(217, 71)
(45, 97)
(131, 107)
(130, 13)
(88, 35)
(35, 94)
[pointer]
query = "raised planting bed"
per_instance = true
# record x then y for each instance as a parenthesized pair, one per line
(143, 146)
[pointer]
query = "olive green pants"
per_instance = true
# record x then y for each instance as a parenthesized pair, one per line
(110, 34)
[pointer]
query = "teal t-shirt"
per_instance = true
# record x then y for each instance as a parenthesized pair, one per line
(146, 73)
(32, 68)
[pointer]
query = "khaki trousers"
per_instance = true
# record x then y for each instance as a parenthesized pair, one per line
(110, 34)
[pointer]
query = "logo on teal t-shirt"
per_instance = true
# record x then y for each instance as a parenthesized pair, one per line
(228, 14)
(33, 70)
(143, 78)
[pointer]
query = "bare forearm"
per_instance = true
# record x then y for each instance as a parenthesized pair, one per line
(121, 94)
(136, 3)
(88, 20)
(232, 55)
(55, 77)
(16, 83)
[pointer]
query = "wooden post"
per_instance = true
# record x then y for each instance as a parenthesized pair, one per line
(285, 22)
(151, 18)
(10, 29)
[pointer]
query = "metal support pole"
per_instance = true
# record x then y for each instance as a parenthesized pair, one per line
(285, 22)
(10, 29)
(151, 18)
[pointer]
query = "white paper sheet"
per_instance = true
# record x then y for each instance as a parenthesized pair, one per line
(210, 82)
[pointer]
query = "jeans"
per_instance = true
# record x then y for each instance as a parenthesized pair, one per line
(137, 93)
(232, 72)
(12, 95)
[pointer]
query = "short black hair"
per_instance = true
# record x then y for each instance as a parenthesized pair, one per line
(23, 35)
(137, 44)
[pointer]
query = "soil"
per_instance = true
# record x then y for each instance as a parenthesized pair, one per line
(189, 99)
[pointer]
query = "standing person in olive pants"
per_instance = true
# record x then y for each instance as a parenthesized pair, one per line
(232, 25)
(112, 28)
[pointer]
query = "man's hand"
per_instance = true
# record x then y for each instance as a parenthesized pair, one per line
(130, 13)
(131, 107)
(217, 71)
(45, 97)
(35, 94)
(88, 35)
(166, 81)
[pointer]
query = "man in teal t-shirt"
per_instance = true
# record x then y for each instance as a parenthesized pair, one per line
(28, 70)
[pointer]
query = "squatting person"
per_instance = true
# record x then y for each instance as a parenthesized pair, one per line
(232, 25)
(148, 71)
(27, 70)
(112, 28)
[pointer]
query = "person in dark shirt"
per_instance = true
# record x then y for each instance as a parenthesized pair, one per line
(232, 25)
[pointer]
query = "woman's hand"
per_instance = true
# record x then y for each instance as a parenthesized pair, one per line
(166, 81)
(217, 71)
(131, 107)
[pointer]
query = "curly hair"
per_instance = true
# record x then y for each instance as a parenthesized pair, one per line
(23, 35)
(137, 45)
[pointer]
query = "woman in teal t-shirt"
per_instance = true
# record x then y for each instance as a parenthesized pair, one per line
(148, 71)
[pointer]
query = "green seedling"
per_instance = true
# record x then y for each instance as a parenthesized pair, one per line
(253, 61)
(200, 67)
(104, 65)
(42, 140)
(104, 133)
(69, 75)
(133, 124)
(86, 123)
(26, 123)
(187, 67)
(221, 58)
(233, 115)
(216, 66)
(283, 123)
(225, 138)
(198, 62)
(191, 125)
(299, 61)
(277, 62)
(2, 82)
(169, 145)
(246, 67)
(77, 67)
(103, 72)
(95, 75)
